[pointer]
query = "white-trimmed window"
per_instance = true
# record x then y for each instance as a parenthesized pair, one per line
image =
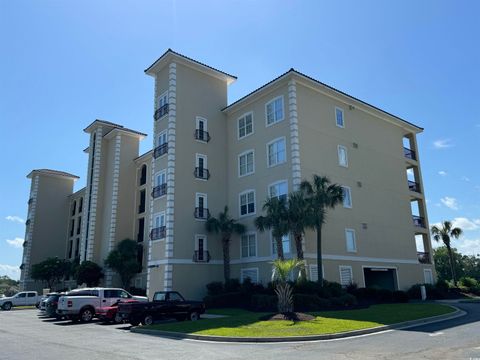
(351, 240)
(248, 243)
(278, 189)
(313, 272)
(247, 202)
(162, 138)
(161, 178)
(276, 152)
(339, 120)
(342, 156)
(251, 273)
(246, 163)
(201, 123)
(245, 125)
(159, 220)
(347, 197)
(162, 100)
(428, 276)
(346, 275)
(285, 244)
(201, 200)
(274, 111)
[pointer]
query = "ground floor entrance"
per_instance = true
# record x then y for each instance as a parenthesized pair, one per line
(379, 277)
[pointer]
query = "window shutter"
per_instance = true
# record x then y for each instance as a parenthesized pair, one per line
(313, 273)
(250, 273)
(346, 277)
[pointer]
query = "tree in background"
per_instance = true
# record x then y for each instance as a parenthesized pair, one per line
(123, 260)
(8, 286)
(445, 233)
(464, 265)
(51, 271)
(89, 273)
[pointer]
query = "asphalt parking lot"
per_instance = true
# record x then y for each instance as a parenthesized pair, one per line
(25, 335)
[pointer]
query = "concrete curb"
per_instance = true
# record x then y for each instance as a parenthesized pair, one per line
(403, 325)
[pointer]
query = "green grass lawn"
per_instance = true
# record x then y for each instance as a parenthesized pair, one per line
(242, 323)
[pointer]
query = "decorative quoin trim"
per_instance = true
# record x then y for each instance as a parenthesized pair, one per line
(113, 218)
(294, 141)
(25, 272)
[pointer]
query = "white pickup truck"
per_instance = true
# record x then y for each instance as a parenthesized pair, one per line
(81, 304)
(24, 298)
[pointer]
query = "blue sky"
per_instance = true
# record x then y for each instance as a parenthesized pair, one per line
(63, 64)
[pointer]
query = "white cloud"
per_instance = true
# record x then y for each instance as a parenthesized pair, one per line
(442, 143)
(466, 224)
(450, 202)
(442, 173)
(15, 219)
(465, 178)
(16, 243)
(12, 272)
(468, 246)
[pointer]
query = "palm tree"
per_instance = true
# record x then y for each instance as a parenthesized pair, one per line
(299, 218)
(276, 220)
(280, 275)
(444, 233)
(226, 226)
(321, 195)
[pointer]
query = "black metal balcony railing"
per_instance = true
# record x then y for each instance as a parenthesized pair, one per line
(414, 186)
(423, 257)
(30, 201)
(201, 173)
(409, 153)
(22, 266)
(159, 190)
(160, 112)
(160, 150)
(418, 221)
(201, 256)
(202, 135)
(158, 233)
(201, 213)
(25, 243)
(27, 222)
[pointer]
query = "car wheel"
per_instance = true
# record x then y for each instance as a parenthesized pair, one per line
(86, 315)
(7, 306)
(194, 316)
(147, 320)
(118, 319)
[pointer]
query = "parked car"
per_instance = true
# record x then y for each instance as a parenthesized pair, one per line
(24, 298)
(165, 304)
(51, 305)
(82, 304)
(43, 300)
(110, 313)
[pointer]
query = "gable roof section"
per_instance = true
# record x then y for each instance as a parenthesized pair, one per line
(163, 60)
(112, 127)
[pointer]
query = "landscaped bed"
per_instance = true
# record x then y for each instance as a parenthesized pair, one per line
(242, 323)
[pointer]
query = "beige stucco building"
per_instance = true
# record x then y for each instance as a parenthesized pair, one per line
(207, 153)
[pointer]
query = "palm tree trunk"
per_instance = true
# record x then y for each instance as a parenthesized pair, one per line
(298, 245)
(319, 255)
(452, 265)
(278, 240)
(226, 259)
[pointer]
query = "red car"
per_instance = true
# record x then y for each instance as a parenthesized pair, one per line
(110, 313)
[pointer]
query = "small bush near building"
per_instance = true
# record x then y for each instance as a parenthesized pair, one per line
(215, 288)
(262, 302)
(468, 282)
(434, 292)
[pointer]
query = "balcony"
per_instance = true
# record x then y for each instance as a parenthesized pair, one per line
(159, 190)
(409, 153)
(160, 150)
(22, 266)
(27, 222)
(418, 221)
(423, 257)
(201, 173)
(201, 256)
(25, 243)
(160, 112)
(158, 233)
(201, 213)
(30, 201)
(414, 186)
(202, 135)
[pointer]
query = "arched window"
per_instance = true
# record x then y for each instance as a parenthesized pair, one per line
(143, 175)
(80, 205)
(74, 207)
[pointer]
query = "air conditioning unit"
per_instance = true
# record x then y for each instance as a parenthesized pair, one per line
(355, 145)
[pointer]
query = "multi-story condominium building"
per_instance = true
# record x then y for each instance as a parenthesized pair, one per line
(207, 154)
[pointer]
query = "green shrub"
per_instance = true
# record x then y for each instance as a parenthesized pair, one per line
(366, 294)
(399, 296)
(334, 288)
(475, 290)
(232, 299)
(232, 285)
(384, 295)
(308, 302)
(260, 302)
(343, 300)
(442, 285)
(306, 287)
(433, 293)
(214, 288)
(468, 282)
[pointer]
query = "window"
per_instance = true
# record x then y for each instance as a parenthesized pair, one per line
(249, 245)
(347, 197)
(79, 225)
(142, 205)
(346, 276)
(247, 203)
(74, 207)
(162, 138)
(274, 110)
(251, 273)
(72, 226)
(80, 205)
(31, 294)
(428, 276)
(174, 296)
(342, 156)
(70, 246)
(162, 100)
(143, 175)
(159, 220)
(201, 129)
(285, 244)
(276, 152)
(314, 272)
(351, 240)
(77, 247)
(278, 189)
(245, 125)
(21, 295)
(201, 253)
(161, 178)
(246, 163)
(201, 206)
(159, 296)
(201, 168)
(201, 123)
(339, 117)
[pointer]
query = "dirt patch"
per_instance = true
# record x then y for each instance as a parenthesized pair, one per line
(293, 316)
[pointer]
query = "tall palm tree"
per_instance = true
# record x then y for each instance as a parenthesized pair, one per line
(444, 233)
(226, 226)
(276, 219)
(280, 275)
(299, 218)
(321, 195)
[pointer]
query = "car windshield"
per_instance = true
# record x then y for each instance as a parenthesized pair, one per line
(160, 296)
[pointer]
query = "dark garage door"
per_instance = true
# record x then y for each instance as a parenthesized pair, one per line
(380, 278)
